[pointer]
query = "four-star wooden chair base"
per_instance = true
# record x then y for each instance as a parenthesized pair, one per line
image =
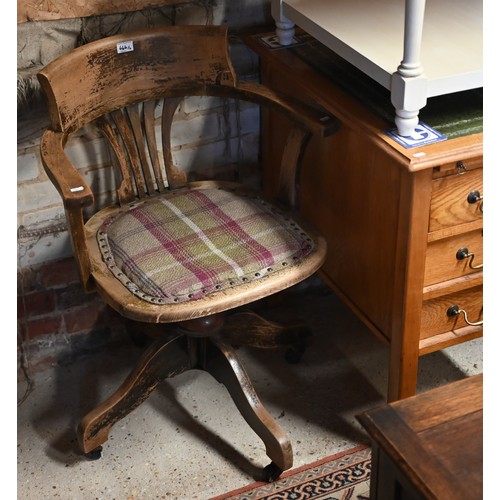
(202, 344)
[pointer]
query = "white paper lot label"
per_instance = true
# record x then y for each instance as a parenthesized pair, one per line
(125, 47)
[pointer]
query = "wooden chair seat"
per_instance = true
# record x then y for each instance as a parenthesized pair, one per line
(171, 251)
(219, 249)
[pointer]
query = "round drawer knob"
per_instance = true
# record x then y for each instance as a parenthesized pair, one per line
(474, 197)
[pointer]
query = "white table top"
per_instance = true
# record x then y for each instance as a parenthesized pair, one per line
(370, 35)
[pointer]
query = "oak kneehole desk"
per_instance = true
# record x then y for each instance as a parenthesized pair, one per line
(403, 226)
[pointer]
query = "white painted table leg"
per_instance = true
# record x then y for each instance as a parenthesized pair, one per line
(285, 29)
(409, 96)
(409, 84)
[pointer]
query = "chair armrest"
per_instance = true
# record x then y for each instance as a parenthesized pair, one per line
(317, 120)
(69, 183)
(306, 120)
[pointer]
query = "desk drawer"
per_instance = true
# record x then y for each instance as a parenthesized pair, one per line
(446, 258)
(452, 201)
(435, 319)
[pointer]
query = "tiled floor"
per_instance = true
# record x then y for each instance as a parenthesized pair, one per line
(187, 441)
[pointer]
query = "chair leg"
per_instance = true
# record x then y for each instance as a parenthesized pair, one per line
(221, 361)
(250, 329)
(164, 358)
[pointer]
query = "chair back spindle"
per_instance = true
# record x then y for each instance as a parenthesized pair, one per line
(142, 167)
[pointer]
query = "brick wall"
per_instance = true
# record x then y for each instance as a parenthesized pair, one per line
(55, 317)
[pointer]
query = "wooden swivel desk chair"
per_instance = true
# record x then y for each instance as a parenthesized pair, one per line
(169, 250)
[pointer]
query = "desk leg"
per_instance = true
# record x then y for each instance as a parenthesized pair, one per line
(403, 370)
(414, 206)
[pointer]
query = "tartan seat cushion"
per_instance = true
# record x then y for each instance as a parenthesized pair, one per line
(187, 244)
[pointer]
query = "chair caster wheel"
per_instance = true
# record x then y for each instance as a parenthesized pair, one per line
(139, 339)
(293, 355)
(95, 454)
(303, 338)
(271, 472)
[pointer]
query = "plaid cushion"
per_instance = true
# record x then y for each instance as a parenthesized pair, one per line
(188, 244)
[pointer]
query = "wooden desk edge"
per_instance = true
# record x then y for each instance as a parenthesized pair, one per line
(382, 422)
(470, 146)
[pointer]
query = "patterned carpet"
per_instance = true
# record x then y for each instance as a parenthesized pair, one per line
(345, 476)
